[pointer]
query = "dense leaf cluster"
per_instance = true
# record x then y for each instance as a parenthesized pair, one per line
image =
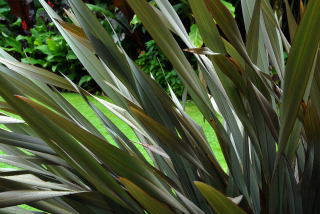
(263, 107)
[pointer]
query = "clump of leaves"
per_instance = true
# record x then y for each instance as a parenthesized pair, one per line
(43, 46)
(269, 133)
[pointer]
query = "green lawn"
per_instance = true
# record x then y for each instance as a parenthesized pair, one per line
(191, 109)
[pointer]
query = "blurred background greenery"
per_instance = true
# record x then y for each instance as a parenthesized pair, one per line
(30, 36)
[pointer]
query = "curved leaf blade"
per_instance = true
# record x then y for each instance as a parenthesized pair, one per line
(217, 200)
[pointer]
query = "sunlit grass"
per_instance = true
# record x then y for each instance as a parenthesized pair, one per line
(191, 109)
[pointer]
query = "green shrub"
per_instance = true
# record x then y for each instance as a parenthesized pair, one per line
(153, 62)
(42, 46)
(269, 131)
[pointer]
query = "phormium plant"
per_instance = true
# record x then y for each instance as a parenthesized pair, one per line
(269, 133)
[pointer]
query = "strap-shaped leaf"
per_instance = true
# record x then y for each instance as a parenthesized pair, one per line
(207, 26)
(152, 205)
(77, 32)
(291, 20)
(93, 65)
(103, 44)
(29, 179)
(217, 200)
(37, 73)
(312, 171)
(24, 141)
(15, 210)
(299, 70)
(228, 25)
(12, 198)
(168, 138)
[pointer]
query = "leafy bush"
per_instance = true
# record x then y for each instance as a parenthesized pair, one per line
(269, 133)
(42, 46)
(153, 62)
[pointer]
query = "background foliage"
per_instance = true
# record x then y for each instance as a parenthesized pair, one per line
(40, 43)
